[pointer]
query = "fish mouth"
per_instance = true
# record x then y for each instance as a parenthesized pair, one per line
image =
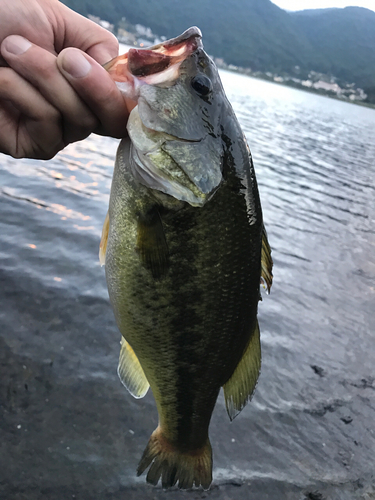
(159, 57)
(157, 65)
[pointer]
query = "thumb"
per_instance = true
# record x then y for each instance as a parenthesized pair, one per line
(88, 36)
(104, 50)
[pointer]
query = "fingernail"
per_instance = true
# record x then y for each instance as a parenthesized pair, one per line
(76, 64)
(16, 45)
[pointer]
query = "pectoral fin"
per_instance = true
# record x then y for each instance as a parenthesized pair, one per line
(131, 372)
(104, 240)
(266, 259)
(240, 387)
(151, 243)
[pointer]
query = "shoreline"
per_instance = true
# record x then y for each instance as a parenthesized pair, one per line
(300, 87)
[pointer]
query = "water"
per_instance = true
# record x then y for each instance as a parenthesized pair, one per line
(69, 430)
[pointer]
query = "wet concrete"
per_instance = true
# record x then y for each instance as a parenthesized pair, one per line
(64, 437)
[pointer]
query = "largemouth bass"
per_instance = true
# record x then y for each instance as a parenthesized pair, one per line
(185, 251)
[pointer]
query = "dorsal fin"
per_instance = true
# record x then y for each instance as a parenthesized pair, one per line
(240, 387)
(131, 372)
(104, 240)
(266, 275)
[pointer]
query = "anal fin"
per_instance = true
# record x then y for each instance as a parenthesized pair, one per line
(151, 243)
(240, 387)
(266, 262)
(131, 372)
(104, 240)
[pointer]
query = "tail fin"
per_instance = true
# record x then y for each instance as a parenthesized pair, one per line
(172, 465)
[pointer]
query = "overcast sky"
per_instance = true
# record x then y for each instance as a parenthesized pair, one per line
(321, 4)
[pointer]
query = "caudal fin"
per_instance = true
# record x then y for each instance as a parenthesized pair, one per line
(173, 466)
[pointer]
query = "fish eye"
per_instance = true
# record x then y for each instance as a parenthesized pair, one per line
(201, 84)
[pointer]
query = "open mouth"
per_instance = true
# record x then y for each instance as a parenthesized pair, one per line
(157, 65)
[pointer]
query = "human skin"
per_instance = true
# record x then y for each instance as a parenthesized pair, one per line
(53, 89)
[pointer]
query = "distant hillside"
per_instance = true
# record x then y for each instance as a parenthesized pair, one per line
(347, 39)
(260, 35)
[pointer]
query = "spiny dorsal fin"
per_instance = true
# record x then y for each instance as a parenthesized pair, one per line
(240, 387)
(104, 240)
(151, 243)
(131, 372)
(266, 276)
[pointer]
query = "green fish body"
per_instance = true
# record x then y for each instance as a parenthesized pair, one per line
(185, 250)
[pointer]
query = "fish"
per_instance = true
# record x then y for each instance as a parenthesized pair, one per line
(185, 252)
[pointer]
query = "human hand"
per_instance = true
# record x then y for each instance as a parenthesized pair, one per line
(51, 95)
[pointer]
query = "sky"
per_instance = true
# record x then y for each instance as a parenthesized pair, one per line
(322, 4)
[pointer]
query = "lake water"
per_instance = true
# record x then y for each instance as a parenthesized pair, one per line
(69, 429)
